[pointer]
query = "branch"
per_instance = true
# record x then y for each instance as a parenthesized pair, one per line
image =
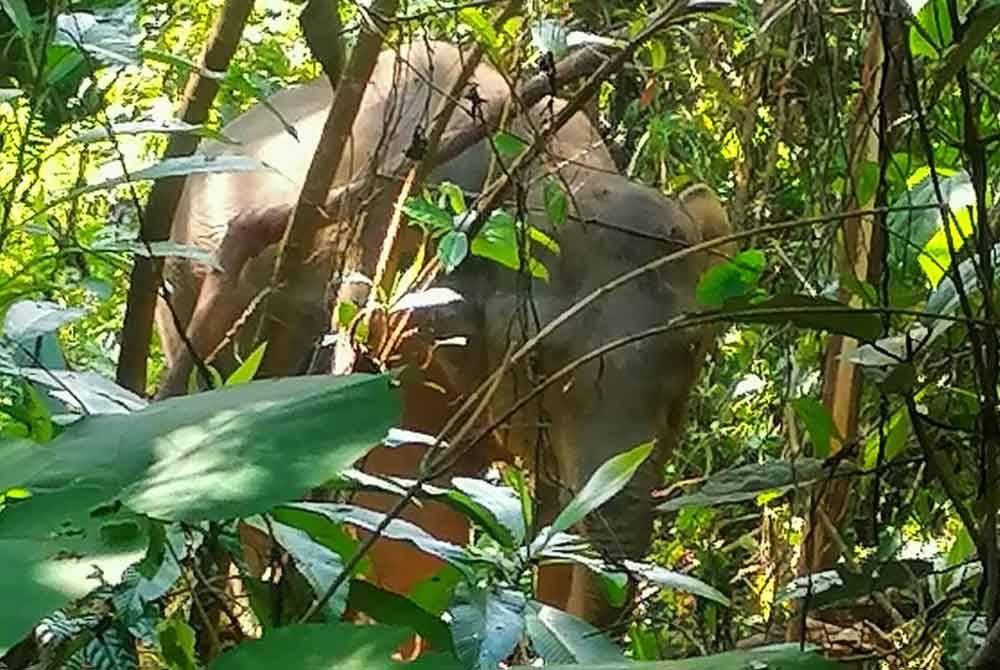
(166, 193)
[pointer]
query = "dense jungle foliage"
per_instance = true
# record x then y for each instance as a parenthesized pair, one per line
(832, 501)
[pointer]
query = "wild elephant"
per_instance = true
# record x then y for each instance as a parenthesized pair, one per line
(628, 396)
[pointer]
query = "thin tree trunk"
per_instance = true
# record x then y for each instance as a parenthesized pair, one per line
(166, 193)
(303, 268)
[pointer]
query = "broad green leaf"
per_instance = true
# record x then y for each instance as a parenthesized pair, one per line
(162, 250)
(169, 167)
(897, 434)
(452, 249)
(248, 368)
(841, 585)
(819, 424)
(774, 657)
(319, 565)
(481, 27)
(746, 482)
(919, 235)
(434, 593)
(732, 279)
(610, 478)
(984, 17)
(676, 581)
(19, 15)
(501, 502)
(548, 35)
(344, 646)
(28, 319)
(232, 452)
(330, 534)
(507, 145)
(556, 202)
(964, 636)
(85, 392)
(397, 529)
(560, 637)
(498, 242)
(165, 127)
(486, 626)
(393, 609)
(177, 643)
(945, 299)
(107, 35)
(932, 30)
(806, 311)
(45, 566)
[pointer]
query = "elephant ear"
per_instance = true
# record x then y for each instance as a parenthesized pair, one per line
(705, 208)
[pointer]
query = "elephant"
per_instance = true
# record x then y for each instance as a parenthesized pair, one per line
(631, 395)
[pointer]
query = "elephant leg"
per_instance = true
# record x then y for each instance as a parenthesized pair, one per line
(554, 580)
(622, 528)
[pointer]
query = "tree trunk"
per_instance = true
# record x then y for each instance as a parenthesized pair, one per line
(303, 268)
(166, 193)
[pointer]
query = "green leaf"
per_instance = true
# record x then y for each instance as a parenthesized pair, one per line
(454, 195)
(319, 565)
(486, 626)
(840, 585)
(897, 435)
(434, 593)
(346, 311)
(28, 319)
(232, 452)
(806, 311)
(248, 369)
(393, 609)
(945, 300)
(746, 482)
(610, 478)
(397, 529)
(507, 145)
(177, 641)
(501, 502)
(819, 424)
(162, 249)
(169, 167)
(331, 535)
(657, 55)
(560, 637)
(773, 657)
(452, 249)
(344, 646)
(409, 277)
(731, 279)
(427, 213)
(481, 27)
(676, 581)
(919, 234)
(19, 15)
(550, 36)
(44, 569)
(981, 21)
(932, 31)
(556, 202)
(497, 241)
